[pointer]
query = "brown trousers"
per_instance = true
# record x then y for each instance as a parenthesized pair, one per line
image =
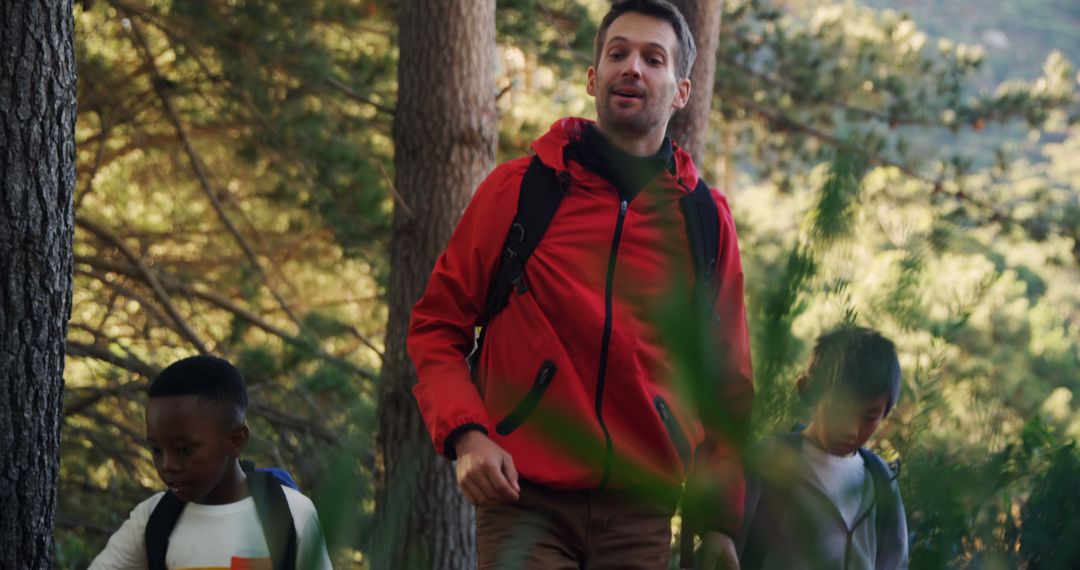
(551, 529)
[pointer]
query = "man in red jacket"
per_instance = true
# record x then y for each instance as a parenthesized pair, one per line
(576, 350)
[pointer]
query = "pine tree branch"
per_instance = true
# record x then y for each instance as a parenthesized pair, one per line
(124, 291)
(98, 352)
(88, 186)
(149, 371)
(781, 122)
(171, 284)
(356, 96)
(201, 173)
(567, 44)
(281, 420)
(798, 95)
(149, 277)
(97, 394)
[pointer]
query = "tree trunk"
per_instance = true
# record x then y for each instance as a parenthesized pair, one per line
(690, 125)
(37, 179)
(445, 130)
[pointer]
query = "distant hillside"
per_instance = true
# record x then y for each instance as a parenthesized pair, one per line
(1017, 34)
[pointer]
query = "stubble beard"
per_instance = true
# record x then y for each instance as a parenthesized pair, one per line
(645, 120)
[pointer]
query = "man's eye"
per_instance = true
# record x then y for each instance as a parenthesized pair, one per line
(655, 61)
(155, 451)
(615, 55)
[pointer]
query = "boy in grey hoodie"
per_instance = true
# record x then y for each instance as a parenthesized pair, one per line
(817, 498)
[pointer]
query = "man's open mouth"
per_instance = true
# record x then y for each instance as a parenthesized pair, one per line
(628, 93)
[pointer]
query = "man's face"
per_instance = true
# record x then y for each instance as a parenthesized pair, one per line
(634, 81)
(194, 448)
(847, 423)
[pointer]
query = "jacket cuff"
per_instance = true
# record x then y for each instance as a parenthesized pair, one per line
(451, 440)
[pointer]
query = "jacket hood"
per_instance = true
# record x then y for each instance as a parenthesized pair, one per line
(550, 148)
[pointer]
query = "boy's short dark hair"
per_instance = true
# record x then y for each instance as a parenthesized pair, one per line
(214, 380)
(687, 50)
(855, 361)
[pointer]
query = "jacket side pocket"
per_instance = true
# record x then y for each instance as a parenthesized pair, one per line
(678, 438)
(531, 400)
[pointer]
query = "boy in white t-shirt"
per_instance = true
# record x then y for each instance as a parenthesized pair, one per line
(816, 498)
(196, 431)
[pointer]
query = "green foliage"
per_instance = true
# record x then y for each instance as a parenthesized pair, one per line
(788, 81)
(1050, 535)
(878, 176)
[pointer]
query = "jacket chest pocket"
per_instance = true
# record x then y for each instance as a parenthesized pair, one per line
(675, 432)
(530, 401)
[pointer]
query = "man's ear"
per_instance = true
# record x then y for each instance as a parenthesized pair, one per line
(682, 94)
(590, 82)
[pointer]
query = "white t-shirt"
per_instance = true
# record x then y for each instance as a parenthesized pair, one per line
(840, 478)
(212, 537)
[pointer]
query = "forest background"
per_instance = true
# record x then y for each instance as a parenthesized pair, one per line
(911, 166)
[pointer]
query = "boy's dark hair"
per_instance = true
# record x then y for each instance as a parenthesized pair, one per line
(214, 380)
(852, 360)
(687, 50)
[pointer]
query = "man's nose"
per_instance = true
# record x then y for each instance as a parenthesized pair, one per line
(633, 67)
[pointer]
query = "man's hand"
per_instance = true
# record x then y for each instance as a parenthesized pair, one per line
(485, 471)
(718, 552)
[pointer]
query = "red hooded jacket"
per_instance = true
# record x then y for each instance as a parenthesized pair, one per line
(577, 353)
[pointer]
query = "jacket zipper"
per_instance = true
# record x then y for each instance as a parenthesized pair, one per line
(678, 438)
(849, 533)
(531, 400)
(605, 341)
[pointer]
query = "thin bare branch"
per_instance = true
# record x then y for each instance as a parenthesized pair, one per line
(393, 190)
(567, 44)
(98, 156)
(98, 394)
(149, 277)
(356, 95)
(171, 284)
(782, 122)
(201, 172)
(127, 292)
(98, 352)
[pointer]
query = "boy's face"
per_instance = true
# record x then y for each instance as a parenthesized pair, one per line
(845, 424)
(195, 448)
(634, 80)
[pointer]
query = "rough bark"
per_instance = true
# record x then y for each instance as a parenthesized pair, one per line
(690, 125)
(445, 131)
(37, 179)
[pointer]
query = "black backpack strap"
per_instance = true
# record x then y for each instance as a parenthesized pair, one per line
(540, 195)
(275, 517)
(159, 527)
(541, 192)
(703, 231)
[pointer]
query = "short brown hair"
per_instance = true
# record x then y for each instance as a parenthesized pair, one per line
(687, 50)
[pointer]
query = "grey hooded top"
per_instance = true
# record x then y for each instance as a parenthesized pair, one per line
(790, 523)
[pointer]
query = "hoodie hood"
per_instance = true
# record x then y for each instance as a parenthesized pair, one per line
(551, 147)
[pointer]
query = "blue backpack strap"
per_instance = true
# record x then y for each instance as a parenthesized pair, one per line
(281, 475)
(275, 518)
(159, 527)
